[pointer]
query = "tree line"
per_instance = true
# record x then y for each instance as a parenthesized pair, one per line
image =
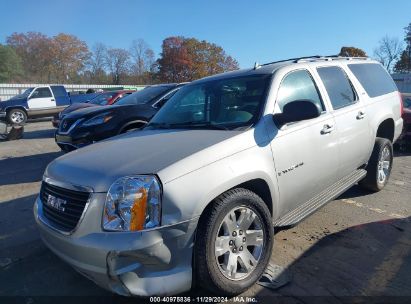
(391, 52)
(34, 57)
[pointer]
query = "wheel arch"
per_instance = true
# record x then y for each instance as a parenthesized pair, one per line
(386, 129)
(257, 184)
(139, 122)
(8, 109)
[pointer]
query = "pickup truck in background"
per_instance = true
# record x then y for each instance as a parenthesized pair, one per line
(36, 102)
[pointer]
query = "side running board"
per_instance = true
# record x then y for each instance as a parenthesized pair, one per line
(295, 216)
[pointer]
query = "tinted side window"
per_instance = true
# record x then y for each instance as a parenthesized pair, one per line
(298, 85)
(160, 103)
(58, 91)
(374, 78)
(42, 93)
(338, 86)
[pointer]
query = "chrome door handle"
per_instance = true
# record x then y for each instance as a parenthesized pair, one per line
(327, 129)
(361, 115)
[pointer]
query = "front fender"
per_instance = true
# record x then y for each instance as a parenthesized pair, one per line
(187, 196)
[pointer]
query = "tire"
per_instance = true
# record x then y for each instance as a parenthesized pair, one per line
(379, 166)
(17, 117)
(16, 133)
(66, 148)
(214, 228)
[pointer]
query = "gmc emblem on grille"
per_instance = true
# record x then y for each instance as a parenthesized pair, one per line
(56, 203)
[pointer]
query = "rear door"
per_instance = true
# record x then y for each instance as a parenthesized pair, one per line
(350, 116)
(305, 152)
(41, 98)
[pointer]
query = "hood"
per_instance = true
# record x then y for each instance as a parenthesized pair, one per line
(146, 152)
(97, 109)
(77, 106)
(13, 102)
(84, 111)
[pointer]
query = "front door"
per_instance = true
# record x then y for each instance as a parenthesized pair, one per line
(41, 98)
(305, 153)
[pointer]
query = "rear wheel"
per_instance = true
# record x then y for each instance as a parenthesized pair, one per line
(379, 165)
(234, 242)
(17, 117)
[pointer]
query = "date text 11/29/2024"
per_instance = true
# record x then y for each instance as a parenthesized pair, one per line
(188, 299)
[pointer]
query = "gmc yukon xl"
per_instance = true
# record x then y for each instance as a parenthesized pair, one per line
(197, 194)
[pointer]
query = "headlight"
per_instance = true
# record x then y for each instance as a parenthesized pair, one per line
(133, 203)
(96, 120)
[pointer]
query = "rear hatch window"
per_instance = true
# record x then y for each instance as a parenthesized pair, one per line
(374, 78)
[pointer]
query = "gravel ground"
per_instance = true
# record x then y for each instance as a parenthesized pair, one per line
(357, 245)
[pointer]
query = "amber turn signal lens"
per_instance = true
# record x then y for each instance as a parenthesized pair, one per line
(138, 211)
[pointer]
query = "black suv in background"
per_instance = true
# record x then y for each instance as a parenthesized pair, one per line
(88, 125)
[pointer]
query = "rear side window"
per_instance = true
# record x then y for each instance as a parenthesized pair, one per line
(59, 91)
(374, 78)
(298, 85)
(339, 88)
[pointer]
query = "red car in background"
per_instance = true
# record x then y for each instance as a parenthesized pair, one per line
(102, 99)
(405, 139)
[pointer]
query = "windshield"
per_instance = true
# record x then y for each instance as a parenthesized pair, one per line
(144, 96)
(227, 103)
(407, 103)
(103, 98)
(26, 93)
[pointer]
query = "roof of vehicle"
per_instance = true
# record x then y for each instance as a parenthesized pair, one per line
(173, 84)
(123, 91)
(271, 67)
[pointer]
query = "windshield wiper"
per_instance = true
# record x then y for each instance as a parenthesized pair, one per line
(194, 124)
(187, 124)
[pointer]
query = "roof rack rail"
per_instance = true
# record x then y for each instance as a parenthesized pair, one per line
(312, 58)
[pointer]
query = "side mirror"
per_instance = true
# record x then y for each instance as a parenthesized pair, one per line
(297, 110)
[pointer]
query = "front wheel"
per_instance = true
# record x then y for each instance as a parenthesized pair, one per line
(233, 243)
(379, 165)
(17, 117)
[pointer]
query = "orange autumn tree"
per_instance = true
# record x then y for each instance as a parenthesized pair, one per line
(70, 55)
(350, 51)
(186, 59)
(49, 59)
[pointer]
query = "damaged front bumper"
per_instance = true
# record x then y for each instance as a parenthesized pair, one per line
(153, 262)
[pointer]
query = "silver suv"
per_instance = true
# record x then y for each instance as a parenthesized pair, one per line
(197, 194)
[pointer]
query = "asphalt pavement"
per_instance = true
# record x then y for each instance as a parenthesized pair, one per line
(357, 245)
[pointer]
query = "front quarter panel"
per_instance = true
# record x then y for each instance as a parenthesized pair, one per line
(186, 197)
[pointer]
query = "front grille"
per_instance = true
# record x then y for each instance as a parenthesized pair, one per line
(65, 124)
(71, 205)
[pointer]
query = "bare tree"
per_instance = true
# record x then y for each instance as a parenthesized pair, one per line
(388, 51)
(97, 63)
(143, 57)
(118, 63)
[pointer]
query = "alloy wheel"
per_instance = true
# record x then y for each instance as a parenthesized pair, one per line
(384, 165)
(17, 117)
(239, 243)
